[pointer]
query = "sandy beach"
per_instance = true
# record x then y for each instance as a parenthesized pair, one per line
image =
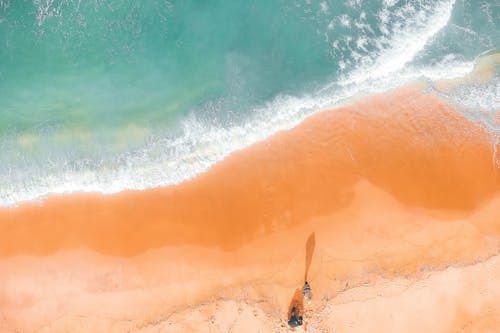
(399, 191)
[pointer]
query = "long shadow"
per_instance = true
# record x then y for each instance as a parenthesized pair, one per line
(310, 245)
(296, 307)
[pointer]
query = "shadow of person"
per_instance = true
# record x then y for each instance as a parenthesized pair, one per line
(310, 245)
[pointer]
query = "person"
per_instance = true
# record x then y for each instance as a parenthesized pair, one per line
(306, 292)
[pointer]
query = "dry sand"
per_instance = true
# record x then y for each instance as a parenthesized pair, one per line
(399, 191)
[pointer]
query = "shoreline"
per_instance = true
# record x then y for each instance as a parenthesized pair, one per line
(392, 186)
(433, 158)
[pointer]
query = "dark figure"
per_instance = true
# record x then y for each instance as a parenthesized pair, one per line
(295, 318)
(306, 292)
(296, 309)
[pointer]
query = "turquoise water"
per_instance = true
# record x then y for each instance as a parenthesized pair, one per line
(106, 95)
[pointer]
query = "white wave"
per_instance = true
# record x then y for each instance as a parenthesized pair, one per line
(478, 96)
(420, 26)
(47, 9)
(4, 5)
(165, 161)
(479, 102)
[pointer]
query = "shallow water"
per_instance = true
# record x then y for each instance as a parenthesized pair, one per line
(104, 96)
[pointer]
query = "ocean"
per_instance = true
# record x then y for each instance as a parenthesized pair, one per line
(104, 96)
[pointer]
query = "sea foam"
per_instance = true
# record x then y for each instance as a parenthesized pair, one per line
(164, 160)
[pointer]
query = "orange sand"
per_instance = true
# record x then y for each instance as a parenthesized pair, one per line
(396, 188)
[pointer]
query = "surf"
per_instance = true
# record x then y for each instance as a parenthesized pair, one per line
(90, 141)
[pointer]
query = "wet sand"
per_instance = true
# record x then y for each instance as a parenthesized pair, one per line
(400, 191)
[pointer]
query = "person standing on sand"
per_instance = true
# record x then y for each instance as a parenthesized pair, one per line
(306, 292)
(296, 308)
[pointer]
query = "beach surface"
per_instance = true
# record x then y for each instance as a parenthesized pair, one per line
(389, 207)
